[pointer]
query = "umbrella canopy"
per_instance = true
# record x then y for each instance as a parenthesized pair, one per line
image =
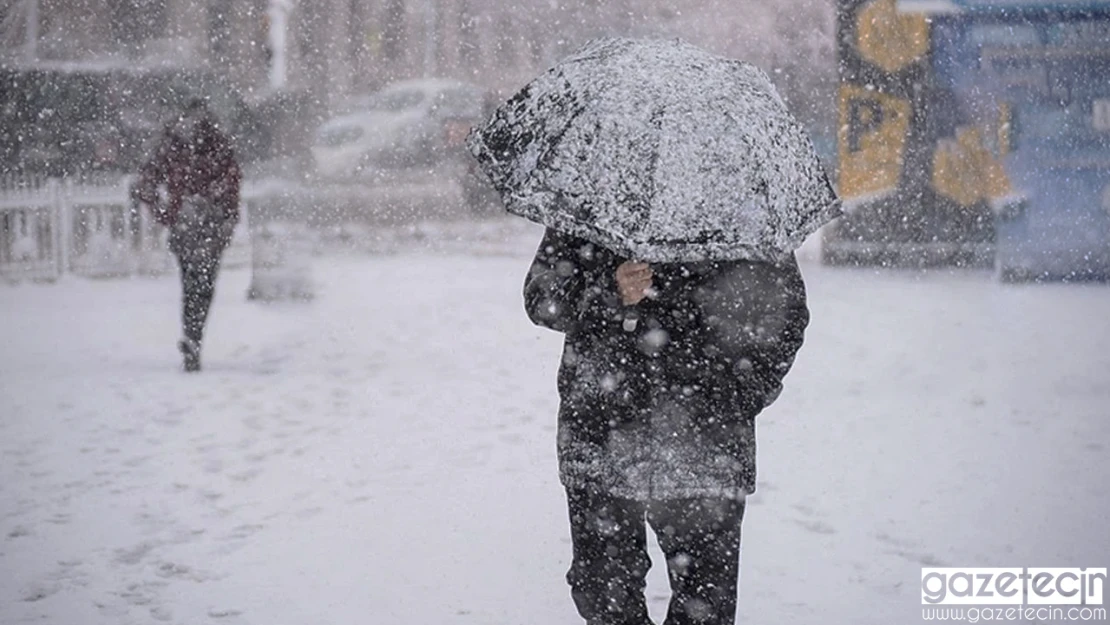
(659, 151)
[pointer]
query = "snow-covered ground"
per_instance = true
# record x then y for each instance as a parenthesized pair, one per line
(385, 453)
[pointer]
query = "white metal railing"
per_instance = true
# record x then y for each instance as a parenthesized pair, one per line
(49, 228)
(29, 229)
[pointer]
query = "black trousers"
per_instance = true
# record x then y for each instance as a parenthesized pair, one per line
(198, 286)
(699, 537)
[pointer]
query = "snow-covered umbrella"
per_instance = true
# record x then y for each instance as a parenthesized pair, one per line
(661, 152)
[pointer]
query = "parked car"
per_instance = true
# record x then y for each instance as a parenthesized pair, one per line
(409, 130)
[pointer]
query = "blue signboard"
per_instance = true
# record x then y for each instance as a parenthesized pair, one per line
(1049, 70)
(1003, 6)
(1034, 5)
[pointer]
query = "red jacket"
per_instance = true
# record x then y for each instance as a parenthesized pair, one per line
(205, 166)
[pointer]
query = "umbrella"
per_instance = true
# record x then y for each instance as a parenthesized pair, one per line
(660, 152)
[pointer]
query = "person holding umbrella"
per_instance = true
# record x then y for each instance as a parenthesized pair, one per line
(195, 165)
(674, 187)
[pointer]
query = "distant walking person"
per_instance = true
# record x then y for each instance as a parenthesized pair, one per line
(196, 166)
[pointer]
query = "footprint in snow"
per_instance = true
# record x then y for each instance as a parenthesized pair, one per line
(141, 594)
(817, 527)
(246, 476)
(61, 518)
(173, 570)
(245, 531)
(805, 509)
(136, 462)
(892, 541)
(924, 559)
(39, 591)
(135, 554)
(66, 575)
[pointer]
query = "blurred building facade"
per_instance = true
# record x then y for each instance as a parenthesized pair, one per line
(301, 60)
(222, 34)
(338, 47)
(331, 47)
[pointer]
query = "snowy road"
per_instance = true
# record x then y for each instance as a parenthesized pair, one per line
(385, 454)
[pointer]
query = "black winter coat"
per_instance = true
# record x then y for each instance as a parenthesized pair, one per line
(664, 408)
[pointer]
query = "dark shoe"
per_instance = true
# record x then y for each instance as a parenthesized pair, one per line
(191, 352)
